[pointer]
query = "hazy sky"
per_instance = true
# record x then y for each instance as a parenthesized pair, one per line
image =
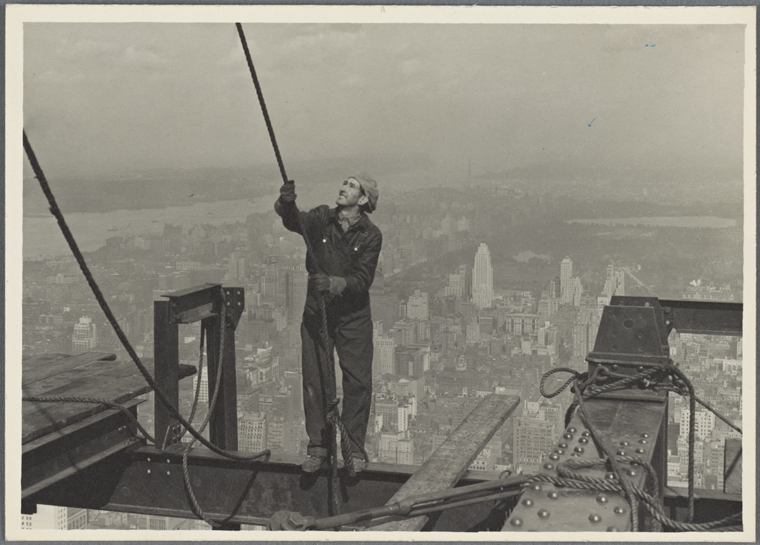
(117, 96)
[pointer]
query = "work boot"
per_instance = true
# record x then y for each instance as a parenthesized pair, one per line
(360, 464)
(313, 463)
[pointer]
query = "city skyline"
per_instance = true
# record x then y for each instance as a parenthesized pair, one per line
(529, 172)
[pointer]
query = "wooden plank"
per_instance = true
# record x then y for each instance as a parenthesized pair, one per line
(732, 463)
(447, 464)
(39, 367)
(112, 380)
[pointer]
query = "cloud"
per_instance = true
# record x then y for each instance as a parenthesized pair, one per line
(143, 57)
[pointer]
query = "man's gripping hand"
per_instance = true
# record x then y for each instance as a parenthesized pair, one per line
(288, 191)
(334, 285)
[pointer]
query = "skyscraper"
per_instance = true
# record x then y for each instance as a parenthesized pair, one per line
(417, 306)
(482, 278)
(85, 335)
(565, 274)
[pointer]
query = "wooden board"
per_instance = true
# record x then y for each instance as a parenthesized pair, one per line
(450, 461)
(84, 375)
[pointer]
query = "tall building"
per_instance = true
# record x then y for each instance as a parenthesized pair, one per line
(85, 335)
(417, 306)
(252, 432)
(458, 284)
(565, 274)
(296, 282)
(482, 278)
(533, 439)
(47, 517)
(383, 359)
(615, 282)
(203, 393)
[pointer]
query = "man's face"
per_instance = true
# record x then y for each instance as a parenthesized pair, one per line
(350, 194)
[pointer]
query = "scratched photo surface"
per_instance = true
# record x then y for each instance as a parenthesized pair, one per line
(553, 318)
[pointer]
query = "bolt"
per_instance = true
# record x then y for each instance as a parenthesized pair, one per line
(640, 451)
(593, 517)
(623, 443)
(583, 440)
(585, 433)
(544, 514)
(571, 430)
(645, 435)
(610, 476)
(568, 435)
(562, 445)
(516, 521)
(621, 452)
(527, 502)
(548, 466)
(619, 510)
(601, 498)
(579, 450)
(632, 472)
(536, 487)
(553, 456)
(553, 495)
(643, 441)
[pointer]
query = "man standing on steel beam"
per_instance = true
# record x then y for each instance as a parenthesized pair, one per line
(344, 246)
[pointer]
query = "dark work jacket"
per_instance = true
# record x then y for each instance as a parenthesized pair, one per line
(351, 255)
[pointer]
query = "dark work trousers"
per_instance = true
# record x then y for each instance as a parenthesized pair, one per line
(352, 338)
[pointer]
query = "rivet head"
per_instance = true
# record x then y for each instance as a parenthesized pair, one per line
(561, 445)
(567, 435)
(575, 454)
(168, 472)
(571, 430)
(516, 521)
(579, 449)
(631, 472)
(149, 471)
(610, 476)
(560, 451)
(614, 366)
(619, 510)
(643, 441)
(640, 369)
(623, 443)
(527, 502)
(585, 433)
(640, 451)
(553, 495)
(543, 513)
(601, 498)
(620, 452)
(548, 465)
(611, 529)
(553, 456)
(645, 435)
(536, 487)
(593, 517)
(583, 440)
(149, 458)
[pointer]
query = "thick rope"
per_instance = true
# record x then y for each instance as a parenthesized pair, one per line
(586, 386)
(112, 319)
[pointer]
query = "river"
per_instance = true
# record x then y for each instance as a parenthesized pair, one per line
(42, 237)
(706, 222)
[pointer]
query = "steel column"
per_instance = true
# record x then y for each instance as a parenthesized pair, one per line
(166, 367)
